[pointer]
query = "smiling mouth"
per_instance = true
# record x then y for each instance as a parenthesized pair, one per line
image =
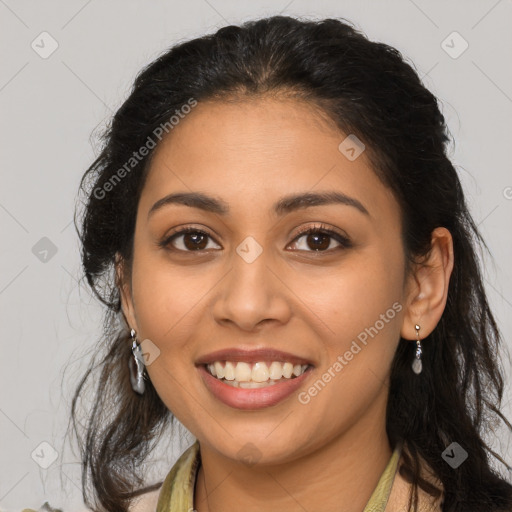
(255, 375)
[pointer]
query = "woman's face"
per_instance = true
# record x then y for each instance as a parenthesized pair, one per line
(333, 301)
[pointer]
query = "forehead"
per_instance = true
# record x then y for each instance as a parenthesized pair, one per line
(250, 152)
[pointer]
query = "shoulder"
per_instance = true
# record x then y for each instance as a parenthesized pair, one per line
(146, 502)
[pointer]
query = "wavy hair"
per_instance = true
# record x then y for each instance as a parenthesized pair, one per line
(368, 89)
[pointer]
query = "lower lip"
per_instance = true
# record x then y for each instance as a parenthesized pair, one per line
(258, 398)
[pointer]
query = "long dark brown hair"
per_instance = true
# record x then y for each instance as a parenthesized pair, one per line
(368, 90)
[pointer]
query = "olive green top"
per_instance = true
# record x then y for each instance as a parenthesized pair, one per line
(177, 492)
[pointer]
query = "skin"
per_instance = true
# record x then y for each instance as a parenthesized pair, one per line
(332, 450)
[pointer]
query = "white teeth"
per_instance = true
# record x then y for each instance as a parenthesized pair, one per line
(297, 370)
(219, 370)
(254, 385)
(287, 370)
(276, 370)
(229, 371)
(259, 373)
(243, 372)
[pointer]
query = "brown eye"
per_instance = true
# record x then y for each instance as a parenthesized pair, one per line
(188, 240)
(321, 240)
(318, 241)
(193, 241)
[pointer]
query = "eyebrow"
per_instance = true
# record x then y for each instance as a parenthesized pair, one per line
(285, 205)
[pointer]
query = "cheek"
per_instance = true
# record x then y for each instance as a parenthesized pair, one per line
(362, 308)
(166, 298)
(355, 296)
(168, 301)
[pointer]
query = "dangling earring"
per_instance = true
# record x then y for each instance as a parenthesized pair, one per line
(417, 366)
(136, 365)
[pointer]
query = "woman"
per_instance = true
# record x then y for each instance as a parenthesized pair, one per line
(276, 220)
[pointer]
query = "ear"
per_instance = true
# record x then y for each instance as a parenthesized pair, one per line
(428, 287)
(124, 286)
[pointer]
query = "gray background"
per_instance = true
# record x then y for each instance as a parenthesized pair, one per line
(49, 109)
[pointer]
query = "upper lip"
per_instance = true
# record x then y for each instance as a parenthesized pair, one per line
(251, 356)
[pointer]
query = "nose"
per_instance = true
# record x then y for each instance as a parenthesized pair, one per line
(252, 294)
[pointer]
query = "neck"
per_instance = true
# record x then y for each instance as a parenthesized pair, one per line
(338, 476)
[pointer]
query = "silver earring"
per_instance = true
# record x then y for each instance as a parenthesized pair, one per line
(417, 365)
(136, 365)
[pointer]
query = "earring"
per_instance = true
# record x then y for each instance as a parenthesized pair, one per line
(136, 365)
(417, 366)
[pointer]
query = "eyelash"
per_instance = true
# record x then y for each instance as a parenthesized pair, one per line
(344, 241)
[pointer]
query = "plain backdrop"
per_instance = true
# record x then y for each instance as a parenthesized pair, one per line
(51, 106)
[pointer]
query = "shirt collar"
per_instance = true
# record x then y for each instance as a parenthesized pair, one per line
(177, 492)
